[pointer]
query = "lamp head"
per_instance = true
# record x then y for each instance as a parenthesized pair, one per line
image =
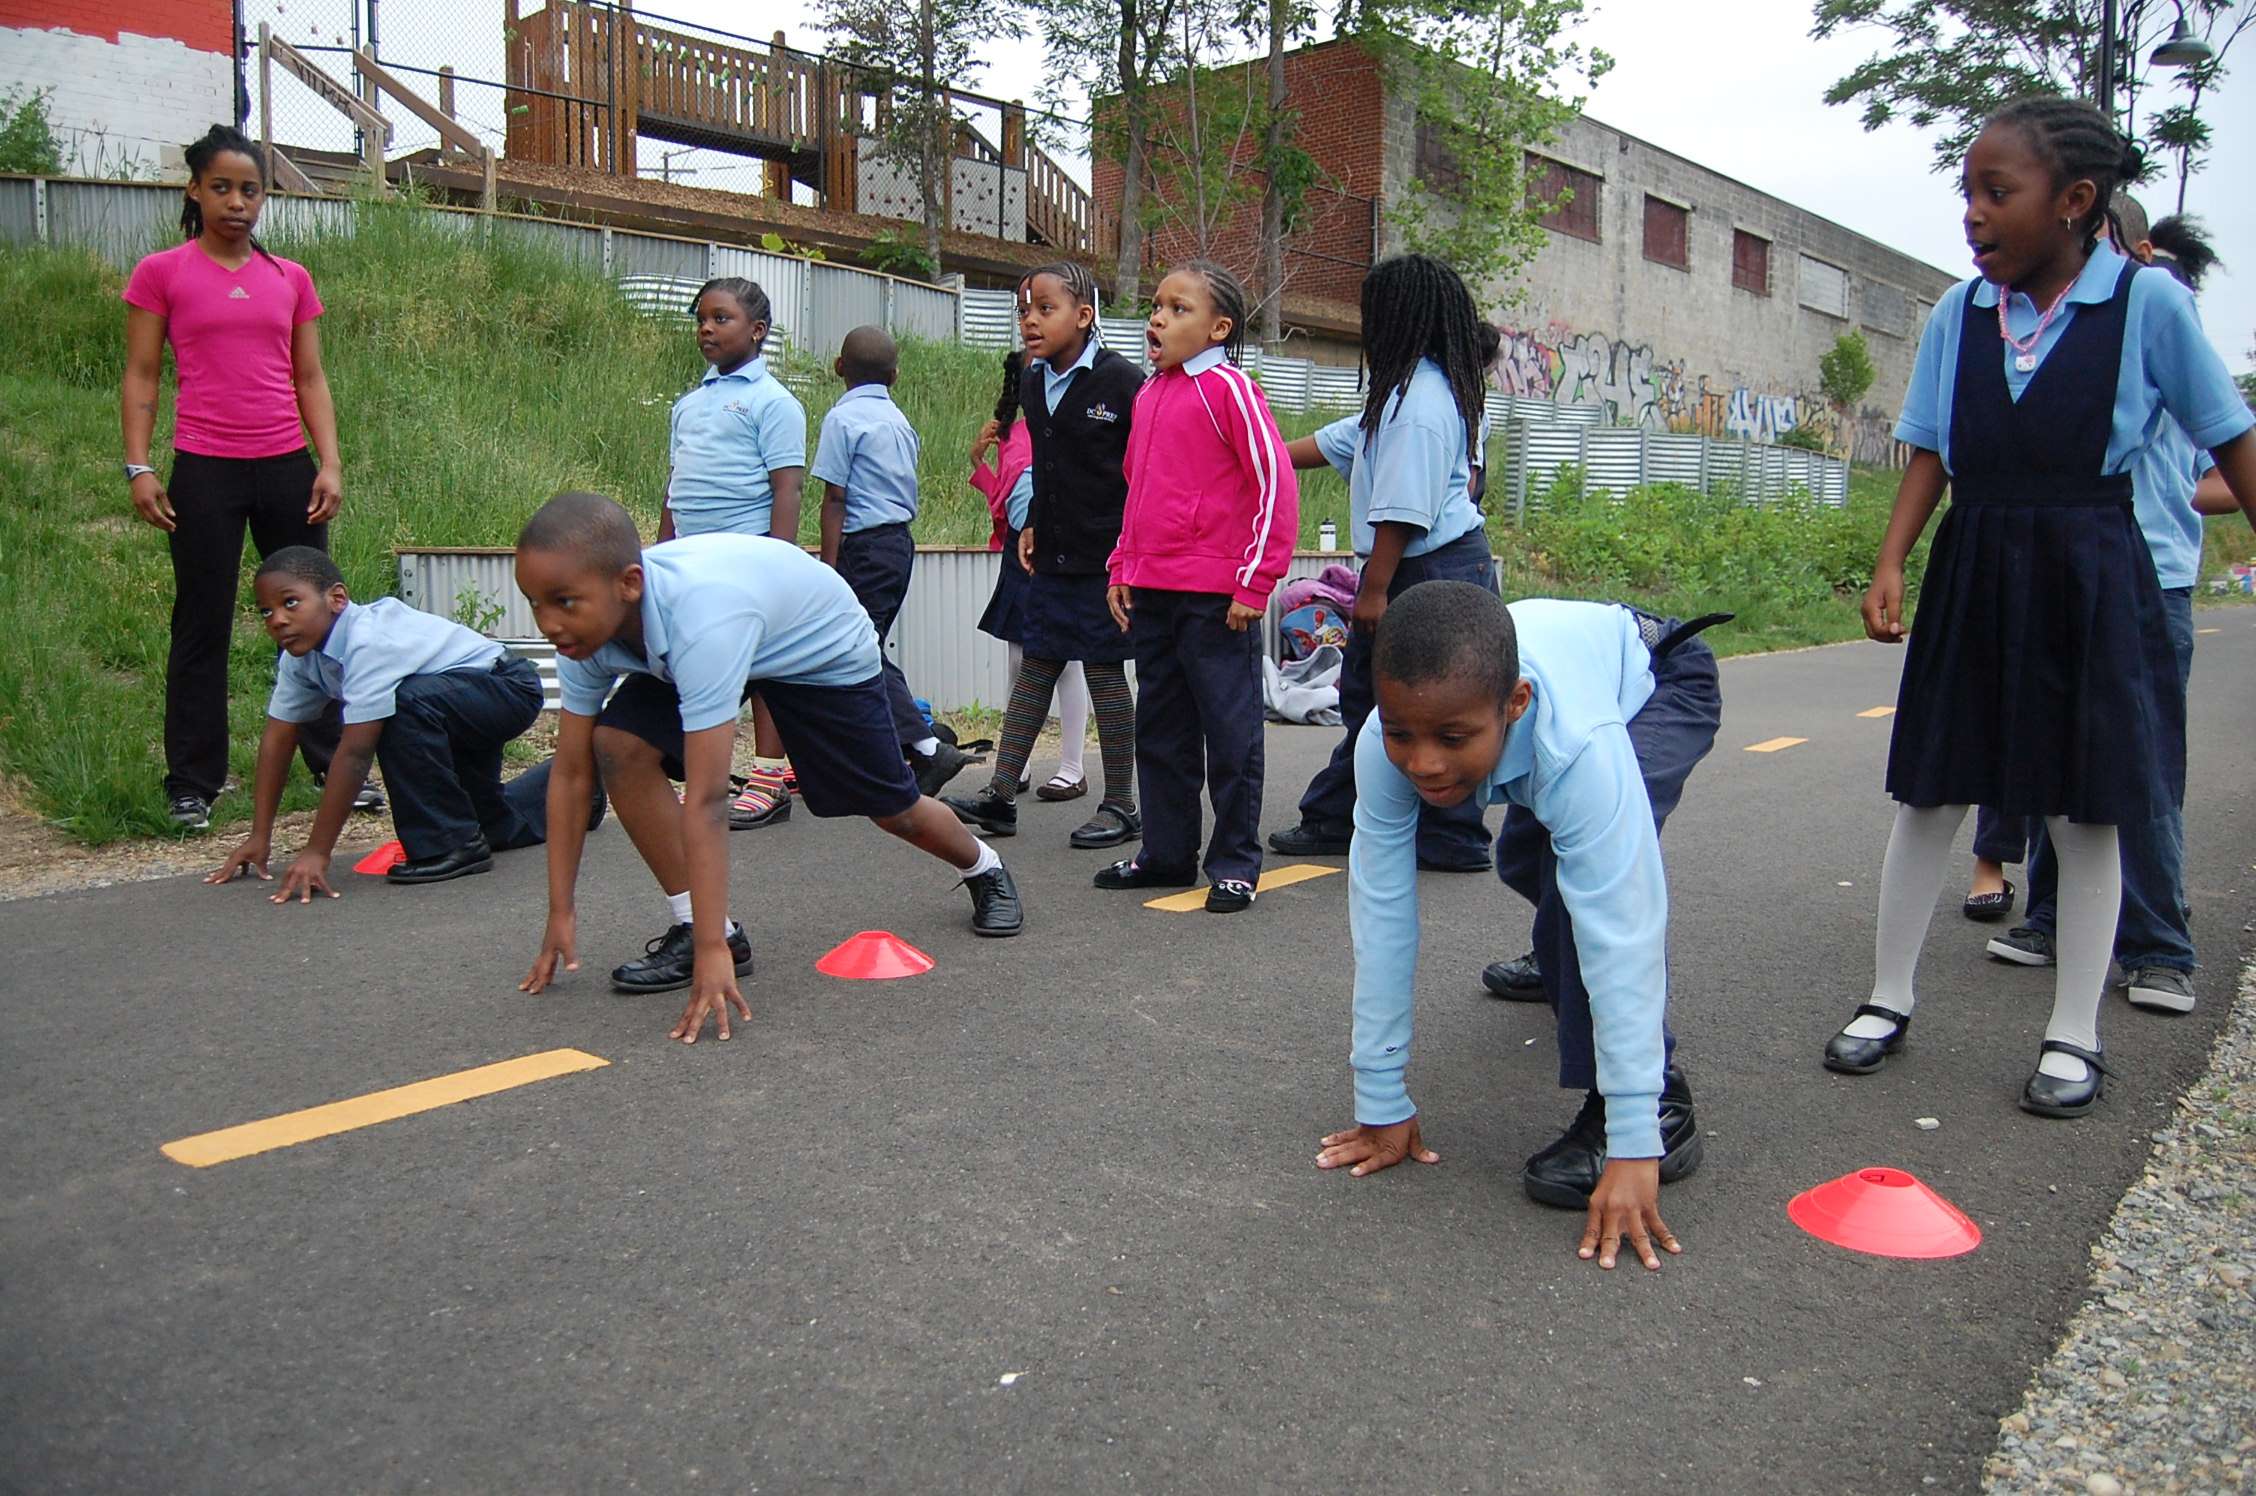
(2183, 49)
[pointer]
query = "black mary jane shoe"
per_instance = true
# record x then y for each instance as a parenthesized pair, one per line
(1988, 908)
(1109, 827)
(2050, 1096)
(1853, 1056)
(1565, 1173)
(1129, 873)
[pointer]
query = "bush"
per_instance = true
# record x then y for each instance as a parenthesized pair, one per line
(28, 146)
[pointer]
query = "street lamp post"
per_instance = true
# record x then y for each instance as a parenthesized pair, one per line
(2107, 60)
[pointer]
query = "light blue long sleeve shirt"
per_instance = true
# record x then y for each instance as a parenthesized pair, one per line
(1569, 759)
(1414, 470)
(371, 648)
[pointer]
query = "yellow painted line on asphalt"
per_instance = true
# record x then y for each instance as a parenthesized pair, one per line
(1275, 878)
(2208, 631)
(1772, 745)
(1879, 711)
(208, 1148)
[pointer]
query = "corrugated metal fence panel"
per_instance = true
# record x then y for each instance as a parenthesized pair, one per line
(567, 241)
(783, 277)
(838, 301)
(646, 254)
(1332, 387)
(1676, 457)
(1534, 453)
(19, 211)
(921, 311)
(988, 319)
(1613, 458)
(287, 218)
(1124, 336)
(543, 655)
(467, 586)
(937, 642)
(120, 221)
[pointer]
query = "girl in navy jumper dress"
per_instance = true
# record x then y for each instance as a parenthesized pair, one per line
(1076, 398)
(1213, 510)
(2039, 679)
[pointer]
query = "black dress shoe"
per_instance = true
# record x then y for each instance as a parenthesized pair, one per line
(1109, 827)
(2050, 1096)
(935, 769)
(1565, 1173)
(473, 856)
(1853, 1056)
(1478, 864)
(995, 910)
(1130, 873)
(1516, 981)
(670, 962)
(987, 810)
(1313, 839)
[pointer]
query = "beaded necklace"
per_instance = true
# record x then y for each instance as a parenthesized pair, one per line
(2025, 349)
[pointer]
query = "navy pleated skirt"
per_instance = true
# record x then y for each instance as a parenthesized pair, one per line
(1005, 618)
(1066, 619)
(2038, 679)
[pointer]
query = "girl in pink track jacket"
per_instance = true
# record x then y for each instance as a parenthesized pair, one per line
(1213, 511)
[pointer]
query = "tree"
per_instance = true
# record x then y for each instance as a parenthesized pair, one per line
(1287, 170)
(1105, 48)
(1483, 76)
(914, 50)
(1948, 64)
(1844, 371)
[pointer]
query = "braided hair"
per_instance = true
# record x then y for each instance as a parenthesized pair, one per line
(2079, 144)
(1006, 405)
(199, 155)
(1416, 307)
(2182, 247)
(1080, 283)
(1229, 296)
(749, 298)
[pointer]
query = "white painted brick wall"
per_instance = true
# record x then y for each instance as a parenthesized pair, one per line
(117, 106)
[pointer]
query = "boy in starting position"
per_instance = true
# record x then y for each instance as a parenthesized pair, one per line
(694, 625)
(1590, 716)
(431, 699)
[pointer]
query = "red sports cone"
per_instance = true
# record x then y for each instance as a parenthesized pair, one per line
(382, 860)
(1886, 1212)
(874, 955)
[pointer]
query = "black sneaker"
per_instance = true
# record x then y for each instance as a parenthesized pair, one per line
(370, 797)
(190, 812)
(1229, 895)
(1130, 873)
(933, 770)
(987, 811)
(670, 962)
(1313, 839)
(995, 910)
(2023, 945)
(1516, 981)
(1109, 827)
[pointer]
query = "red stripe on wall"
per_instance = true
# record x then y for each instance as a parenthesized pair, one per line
(203, 25)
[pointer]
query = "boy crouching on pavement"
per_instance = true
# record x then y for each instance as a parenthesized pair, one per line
(1588, 717)
(693, 625)
(430, 699)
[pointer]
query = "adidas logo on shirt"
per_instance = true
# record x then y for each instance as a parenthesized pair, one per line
(238, 294)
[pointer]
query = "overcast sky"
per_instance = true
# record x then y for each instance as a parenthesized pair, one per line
(1739, 89)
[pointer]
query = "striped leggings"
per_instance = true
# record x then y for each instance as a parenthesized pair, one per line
(1115, 712)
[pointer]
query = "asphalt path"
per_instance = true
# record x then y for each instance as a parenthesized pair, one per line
(1045, 1218)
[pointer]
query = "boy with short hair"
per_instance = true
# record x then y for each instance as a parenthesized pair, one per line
(431, 699)
(867, 463)
(693, 625)
(1590, 716)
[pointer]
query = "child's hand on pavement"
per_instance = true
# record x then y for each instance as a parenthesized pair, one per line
(1241, 617)
(713, 990)
(1366, 1150)
(1627, 1203)
(306, 876)
(558, 943)
(251, 856)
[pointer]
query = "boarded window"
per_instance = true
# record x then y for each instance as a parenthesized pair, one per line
(1667, 228)
(1884, 309)
(1437, 165)
(1824, 288)
(1570, 194)
(1750, 262)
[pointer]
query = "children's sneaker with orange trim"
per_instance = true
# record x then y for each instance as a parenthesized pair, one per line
(762, 802)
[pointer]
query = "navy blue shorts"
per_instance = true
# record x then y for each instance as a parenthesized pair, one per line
(841, 739)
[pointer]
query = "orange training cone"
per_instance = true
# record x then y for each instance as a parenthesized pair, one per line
(1886, 1212)
(874, 955)
(382, 860)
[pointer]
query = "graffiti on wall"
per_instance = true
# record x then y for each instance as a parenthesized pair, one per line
(1636, 387)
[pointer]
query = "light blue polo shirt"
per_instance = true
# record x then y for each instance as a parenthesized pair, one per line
(371, 648)
(1569, 759)
(1054, 382)
(870, 450)
(729, 434)
(2168, 372)
(1020, 499)
(2162, 485)
(721, 610)
(1415, 471)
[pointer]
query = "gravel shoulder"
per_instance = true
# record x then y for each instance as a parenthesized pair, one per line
(2153, 1389)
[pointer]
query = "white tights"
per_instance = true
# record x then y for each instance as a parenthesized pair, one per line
(2091, 893)
(1073, 714)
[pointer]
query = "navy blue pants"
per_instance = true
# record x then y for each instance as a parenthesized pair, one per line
(2003, 839)
(1198, 716)
(1454, 837)
(2151, 929)
(441, 754)
(876, 563)
(1672, 733)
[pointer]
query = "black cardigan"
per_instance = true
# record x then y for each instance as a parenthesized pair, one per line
(1079, 488)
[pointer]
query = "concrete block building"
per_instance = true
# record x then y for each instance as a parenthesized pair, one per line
(1671, 295)
(128, 82)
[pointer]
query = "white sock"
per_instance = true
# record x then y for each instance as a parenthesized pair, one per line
(987, 863)
(1073, 721)
(1911, 879)
(677, 910)
(2091, 896)
(925, 746)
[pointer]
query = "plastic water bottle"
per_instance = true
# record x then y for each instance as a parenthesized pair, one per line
(1327, 536)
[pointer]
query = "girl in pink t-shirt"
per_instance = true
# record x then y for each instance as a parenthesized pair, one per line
(240, 321)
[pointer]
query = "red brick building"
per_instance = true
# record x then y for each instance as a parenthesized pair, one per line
(128, 82)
